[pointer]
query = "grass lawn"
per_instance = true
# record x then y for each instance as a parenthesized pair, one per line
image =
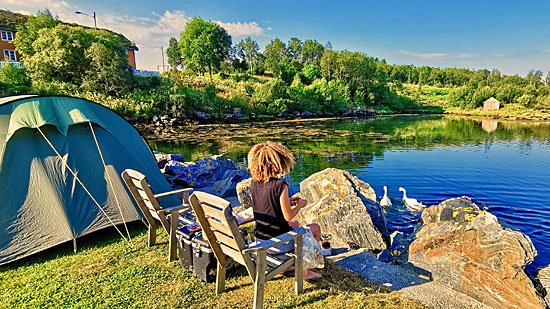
(108, 272)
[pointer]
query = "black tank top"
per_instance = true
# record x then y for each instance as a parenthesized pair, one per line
(266, 205)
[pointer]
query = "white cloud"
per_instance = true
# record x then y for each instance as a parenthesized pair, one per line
(148, 33)
(241, 29)
(437, 55)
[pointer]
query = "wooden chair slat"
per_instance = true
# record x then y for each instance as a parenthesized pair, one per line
(226, 240)
(232, 253)
(152, 210)
(213, 212)
(221, 228)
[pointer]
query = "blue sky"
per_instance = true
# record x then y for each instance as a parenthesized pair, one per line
(511, 36)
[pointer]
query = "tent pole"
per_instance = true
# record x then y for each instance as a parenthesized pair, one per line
(74, 245)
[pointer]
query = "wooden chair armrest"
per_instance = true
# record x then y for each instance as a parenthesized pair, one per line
(266, 244)
(177, 207)
(173, 192)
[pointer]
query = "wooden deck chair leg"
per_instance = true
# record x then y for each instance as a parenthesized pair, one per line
(172, 251)
(220, 279)
(152, 235)
(298, 265)
(260, 279)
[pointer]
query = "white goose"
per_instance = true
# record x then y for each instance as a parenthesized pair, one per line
(411, 203)
(385, 201)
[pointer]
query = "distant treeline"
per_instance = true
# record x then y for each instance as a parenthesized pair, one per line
(211, 74)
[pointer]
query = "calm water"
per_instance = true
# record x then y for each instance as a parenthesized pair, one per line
(505, 165)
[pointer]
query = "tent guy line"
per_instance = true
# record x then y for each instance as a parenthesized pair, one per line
(110, 182)
(80, 182)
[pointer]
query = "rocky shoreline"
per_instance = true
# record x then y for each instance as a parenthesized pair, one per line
(457, 244)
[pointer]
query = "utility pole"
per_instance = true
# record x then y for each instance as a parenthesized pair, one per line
(95, 23)
(162, 51)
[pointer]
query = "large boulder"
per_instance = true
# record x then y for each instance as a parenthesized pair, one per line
(245, 196)
(226, 187)
(202, 173)
(163, 158)
(542, 274)
(243, 193)
(345, 208)
(465, 247)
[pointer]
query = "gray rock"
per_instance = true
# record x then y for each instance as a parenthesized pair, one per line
(542, 274)
(226, 187)
(245, 196)
(243, 193)
(464, 247)
(345, 208)
(392, 276)
(204, 172)
(237, 112)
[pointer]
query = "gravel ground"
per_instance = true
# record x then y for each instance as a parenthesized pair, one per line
(430, 293)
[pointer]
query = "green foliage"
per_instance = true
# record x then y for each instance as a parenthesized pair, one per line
(271, 97)
(11, 19)
(287, 70)
(248, 49)
(274, 53)
(312, 52)
(108, 72)
(173, 54)
(311, 72)
(12, 75)
(27, 33)
(71, 58)
(294, 49)
(204, 46)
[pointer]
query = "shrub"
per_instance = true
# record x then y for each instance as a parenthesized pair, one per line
(14, 76)
(311, 72)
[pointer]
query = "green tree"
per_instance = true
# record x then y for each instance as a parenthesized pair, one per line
(329, 64)
(73, 58)
(204, 46)
(274, 53)
(108, 71)
(27, 33)
(311, 72)
(248, 49)
(12, 75)
(420, 80)
(174, 54)
(294, 49)
(312, 52)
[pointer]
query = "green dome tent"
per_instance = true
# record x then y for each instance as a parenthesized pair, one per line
(60, 165)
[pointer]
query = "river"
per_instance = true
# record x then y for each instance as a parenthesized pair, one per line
(503, 164)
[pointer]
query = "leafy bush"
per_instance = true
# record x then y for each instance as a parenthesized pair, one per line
(14, 76)
(311, 72)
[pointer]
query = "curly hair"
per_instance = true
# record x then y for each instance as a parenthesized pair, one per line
(268, 160)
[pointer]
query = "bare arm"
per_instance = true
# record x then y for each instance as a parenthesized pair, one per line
(289, 212)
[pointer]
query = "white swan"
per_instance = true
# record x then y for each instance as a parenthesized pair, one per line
(411, 203)
(385, 201)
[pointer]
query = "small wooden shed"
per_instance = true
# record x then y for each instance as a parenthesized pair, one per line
(491, 104)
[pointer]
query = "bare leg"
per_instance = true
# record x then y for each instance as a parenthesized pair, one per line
(315, 230)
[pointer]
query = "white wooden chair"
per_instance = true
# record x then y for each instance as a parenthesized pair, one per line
(152, 210)
(220, 226)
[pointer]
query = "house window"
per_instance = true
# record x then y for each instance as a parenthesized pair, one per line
(9, 55)
(7, 36)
